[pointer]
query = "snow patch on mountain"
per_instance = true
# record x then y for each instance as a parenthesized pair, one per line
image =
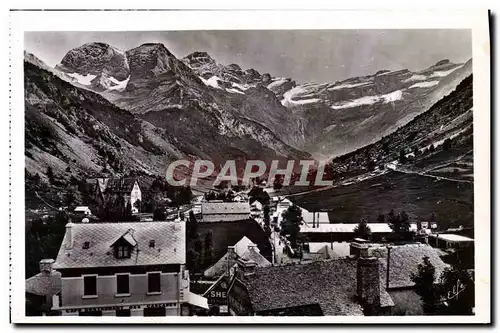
(368, 100)
(211, 82)
(329, 128)
(426, 84)
(82, 79)
(307, 90)
(352, 85)
(234, 91)
(241, 86)
(415, 77)
(276, 83)
(443, 73)
(119, 85)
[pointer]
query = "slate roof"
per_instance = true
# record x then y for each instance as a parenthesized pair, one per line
(331, 284)
(44, 283)
(225, 208)
(340, 249)
(254, 255)
(241, 250)
(242, 246)
(169, 237)
(404, 261)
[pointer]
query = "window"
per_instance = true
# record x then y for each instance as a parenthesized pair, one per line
(90, 285)
(154, 282)
(122, 284)
(155, 312)
(123, 251)
(123, 313)
(90, 313)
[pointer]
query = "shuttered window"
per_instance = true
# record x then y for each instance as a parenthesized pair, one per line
(122, 284)
(154, 282)
(90, 285)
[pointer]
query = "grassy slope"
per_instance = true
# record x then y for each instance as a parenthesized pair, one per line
(419, 196)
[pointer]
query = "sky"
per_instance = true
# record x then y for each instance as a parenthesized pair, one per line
(303, 55)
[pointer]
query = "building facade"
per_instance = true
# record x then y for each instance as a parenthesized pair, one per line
(124, 269)
(127, 188)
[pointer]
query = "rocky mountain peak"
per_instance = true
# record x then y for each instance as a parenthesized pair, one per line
(94, 59)
(198, 56)
(443, 62)
(149, 60)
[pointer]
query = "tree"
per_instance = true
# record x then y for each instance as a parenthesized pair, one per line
(433, 217)
(50, 174)
(36, 178)
(278, 183)
(362, 230)
(416, 152)
(371, 165)
(258, 193)
(381, 218)
(385, 147)
(192, 225)
(447, 144)
(399, 223)
(425, 287)
(159, 215)
(290, 225)
(208, 248)
(137, 205)
(68, 169)
(69, 198)
(402, 156)
(192, 261)
(267, 220)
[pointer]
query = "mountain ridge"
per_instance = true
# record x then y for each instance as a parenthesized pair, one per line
(325, 120)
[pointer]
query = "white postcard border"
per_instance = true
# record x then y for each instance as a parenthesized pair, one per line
(476, 20)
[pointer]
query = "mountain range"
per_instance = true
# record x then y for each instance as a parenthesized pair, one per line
(138, 109)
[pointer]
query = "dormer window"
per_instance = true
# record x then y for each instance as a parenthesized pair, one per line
(86, 245)
(123, 251)
(152, 243)
(124, 245)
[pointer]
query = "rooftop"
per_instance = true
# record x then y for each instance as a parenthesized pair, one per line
(453, 238)
(225, 208)
(330, 284)
(333, 250)
(98, 238)
(44, 283)
(404, 261)
(349, 227)
(245, 249)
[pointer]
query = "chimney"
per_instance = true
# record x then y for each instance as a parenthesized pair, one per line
(46, 265)
(246, 267)
(388, 268)
(358, 249)
(368, 283)
(69, 235)
(177, 225)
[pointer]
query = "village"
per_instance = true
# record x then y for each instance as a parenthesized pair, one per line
(235, 251)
